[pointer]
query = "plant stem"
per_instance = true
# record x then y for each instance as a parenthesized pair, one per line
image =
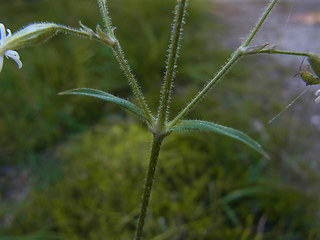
(155, 150)
(123, 62)
(176, 35)
(259, 23)
(106, 17)
(275, 51)
(132, 80)
(234, 58)
(204, 91)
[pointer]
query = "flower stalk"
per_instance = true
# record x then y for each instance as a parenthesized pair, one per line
(173, 51)
(234, 58)
(119, 54)
(259, 23)
(277, 51)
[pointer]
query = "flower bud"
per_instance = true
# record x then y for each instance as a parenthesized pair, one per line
(314, 60)
(309, 78)
(105, 36)
(30, 35)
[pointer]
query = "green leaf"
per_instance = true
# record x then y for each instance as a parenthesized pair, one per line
(197, 125)
(241, 193)
(107, 97)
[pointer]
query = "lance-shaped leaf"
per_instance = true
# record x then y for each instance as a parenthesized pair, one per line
(107, 97)
(197, 125)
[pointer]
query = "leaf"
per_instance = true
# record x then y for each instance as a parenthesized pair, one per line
(197, 125)
(107, 97)
(241, 193)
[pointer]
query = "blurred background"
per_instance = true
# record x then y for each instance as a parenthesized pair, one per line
(73, 167)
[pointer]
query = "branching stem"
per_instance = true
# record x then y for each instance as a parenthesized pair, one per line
(234, 58)
(276, 51)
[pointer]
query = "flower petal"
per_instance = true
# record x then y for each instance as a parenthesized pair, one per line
(2, 32)
(317, 93)
(1, 62)
(317, 100)
(9, 32)
(15, 56)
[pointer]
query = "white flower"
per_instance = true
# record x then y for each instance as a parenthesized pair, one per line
(7, 52)
(317, 93)
(30, 35)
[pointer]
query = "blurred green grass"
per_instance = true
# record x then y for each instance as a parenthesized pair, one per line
(40, 117)
(63, 142)
(206, 189)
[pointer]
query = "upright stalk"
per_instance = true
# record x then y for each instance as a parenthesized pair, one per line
(234, 58)
(106, 16)
(155, 150)
(173, 51)
(204, 91)
(259, 23)
(118, 52)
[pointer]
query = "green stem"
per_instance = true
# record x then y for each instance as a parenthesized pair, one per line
(235, 57)
(132, 80)
(176, 34)
(123, 62)
(275, 51)
(75, 32)
(259, 23)
(105, 16)
(155, 150)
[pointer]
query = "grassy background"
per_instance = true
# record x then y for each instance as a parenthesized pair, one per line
(73, 167)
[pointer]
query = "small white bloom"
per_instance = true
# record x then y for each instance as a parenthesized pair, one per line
(7, 52)
(317, 93)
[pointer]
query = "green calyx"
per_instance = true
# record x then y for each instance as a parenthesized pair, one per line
(309, 78)
(314, 60)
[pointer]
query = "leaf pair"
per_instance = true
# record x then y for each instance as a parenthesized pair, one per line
(184, 125)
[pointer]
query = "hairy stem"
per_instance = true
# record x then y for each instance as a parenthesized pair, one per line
(118, 52)
(132, 80)
(176, 35)
(234, 58)
(259, 23)
(155, 150)
(105, 15)
(275, 51)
